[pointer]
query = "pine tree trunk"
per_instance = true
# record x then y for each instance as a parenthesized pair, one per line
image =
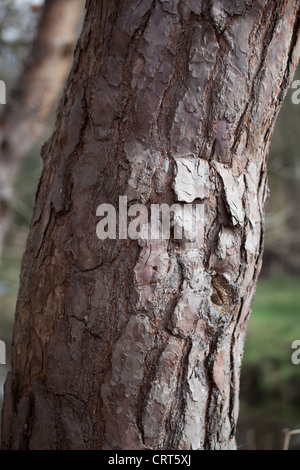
(132, 344)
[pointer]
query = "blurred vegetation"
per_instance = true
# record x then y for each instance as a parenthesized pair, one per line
(18, 21)
(270, 382)
(269, 378)
(282, 244)
(23, 203)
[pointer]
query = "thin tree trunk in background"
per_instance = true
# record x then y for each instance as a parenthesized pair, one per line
(125, 344)
(34, 96)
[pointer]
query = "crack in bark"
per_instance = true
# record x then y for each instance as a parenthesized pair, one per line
(28, 426)
(150, 372)
(233, 385)
(208, 365)
(176, 418)
(258, 77)
(214, 83)
(130, 98)
(177, 85)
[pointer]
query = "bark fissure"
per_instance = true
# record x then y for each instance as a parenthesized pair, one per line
(257, 80)
(208, 364)
(176, 418)
(233, 385)
(150, 370)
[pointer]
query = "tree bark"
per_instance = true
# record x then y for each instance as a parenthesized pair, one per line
(37, 90)
(132, 344)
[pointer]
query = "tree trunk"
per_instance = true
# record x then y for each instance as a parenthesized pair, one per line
(32, 99)
(137, 344)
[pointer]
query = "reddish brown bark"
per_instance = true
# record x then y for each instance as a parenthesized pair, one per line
(34, 96)
(129, 344)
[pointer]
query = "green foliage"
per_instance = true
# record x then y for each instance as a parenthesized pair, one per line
(282, 215)
(269, 377)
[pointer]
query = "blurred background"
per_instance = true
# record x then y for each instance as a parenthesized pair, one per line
(270, 386)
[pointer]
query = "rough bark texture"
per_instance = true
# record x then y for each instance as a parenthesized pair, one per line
(31, 102)
(138, 344)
